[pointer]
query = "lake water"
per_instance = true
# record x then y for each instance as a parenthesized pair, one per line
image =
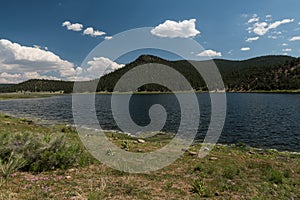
(259, 120)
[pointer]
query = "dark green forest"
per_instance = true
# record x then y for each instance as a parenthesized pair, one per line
(261, 73)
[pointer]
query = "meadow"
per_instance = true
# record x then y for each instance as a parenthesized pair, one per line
(50, 162)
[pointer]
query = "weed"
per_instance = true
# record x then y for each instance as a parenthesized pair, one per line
(275, 176)
(125, 146)
(198, 187)
(12, 164)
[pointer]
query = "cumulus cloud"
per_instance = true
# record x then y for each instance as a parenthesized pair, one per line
(19, 77)
(40, 47)
(72, 27)
(261, 28)
(210, 53)
(94, 33)
(278, 23)
(254, 18)
(173, 29)
(295, 38)
(285, 44)
(20, 63)
(245, 49)
(88, 31)
(251, 39)
(99, 66)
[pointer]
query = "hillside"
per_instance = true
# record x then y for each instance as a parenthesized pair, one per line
(40, 85)
(261, 73)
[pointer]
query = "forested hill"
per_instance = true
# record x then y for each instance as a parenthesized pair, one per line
(262, 73)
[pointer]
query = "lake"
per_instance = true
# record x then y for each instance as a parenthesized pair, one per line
(258, 120)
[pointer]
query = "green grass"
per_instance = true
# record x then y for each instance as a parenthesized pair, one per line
(235, 174)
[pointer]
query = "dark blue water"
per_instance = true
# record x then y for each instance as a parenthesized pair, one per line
(259, 120)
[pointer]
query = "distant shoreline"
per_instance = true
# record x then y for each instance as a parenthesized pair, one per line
(6, 96)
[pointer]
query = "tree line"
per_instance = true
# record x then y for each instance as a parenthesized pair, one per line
(261, 73)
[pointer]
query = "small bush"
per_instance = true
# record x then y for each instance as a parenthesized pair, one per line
(13, 163)
(198, 187)
(275, 176)
(125, 146)
(40, 151)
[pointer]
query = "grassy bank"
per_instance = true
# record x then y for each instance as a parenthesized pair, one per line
(229, 172)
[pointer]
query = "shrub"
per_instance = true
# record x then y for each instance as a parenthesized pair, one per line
(275, 176)
(125, 146)
(13, 163)
(198, 187)
(40, 151)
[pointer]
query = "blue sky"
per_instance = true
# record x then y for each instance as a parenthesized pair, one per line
(231, 29)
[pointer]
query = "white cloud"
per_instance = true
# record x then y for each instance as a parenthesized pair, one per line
(19, 62)
(72, 27)
(268, 16)
(285, 44)
(88, 31)
(19, 77)
(245, 49)
(10, 76)
(295, 38)
(172, 29)
(108, 37)
(254, 18)
(40, 47)
(287, 50)
(94, 33)
(209, 53)
(278, 23)
(100, 66)
(252, 39)
(261, 28)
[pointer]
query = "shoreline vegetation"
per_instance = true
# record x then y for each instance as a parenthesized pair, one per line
(6, 96)
(50, 162)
